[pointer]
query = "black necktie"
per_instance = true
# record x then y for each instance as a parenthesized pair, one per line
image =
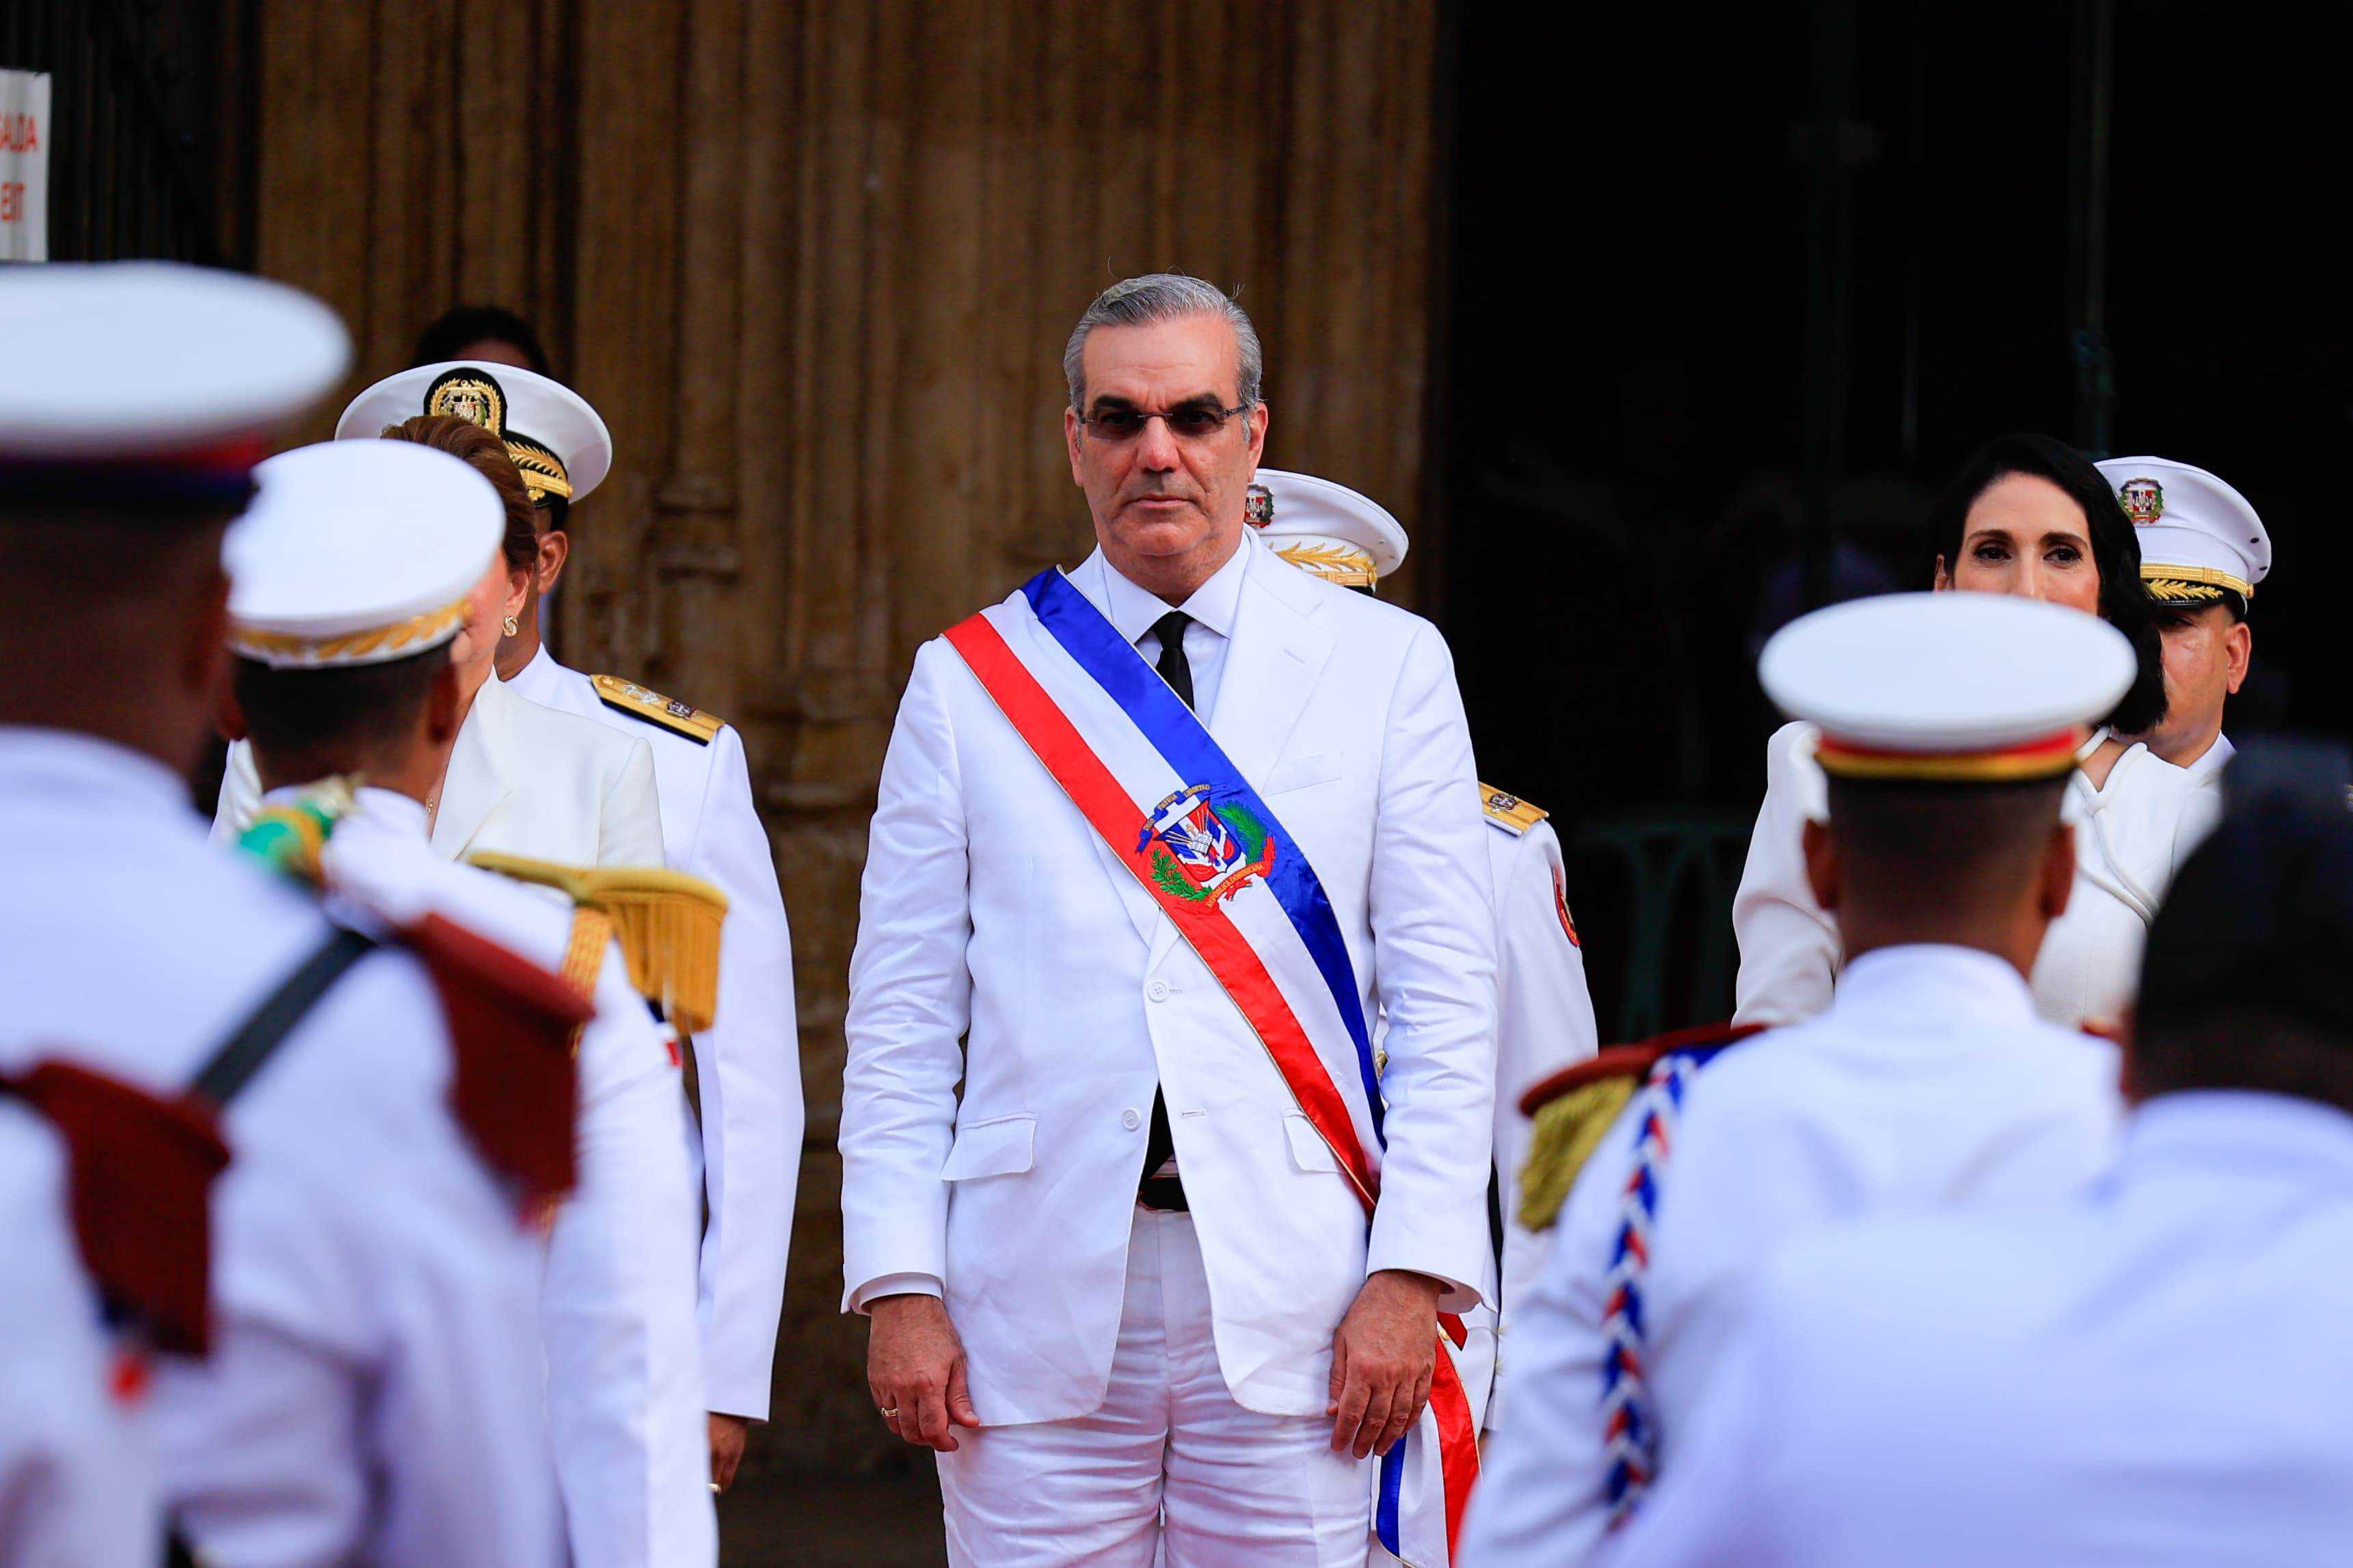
(1160, 1143)
(1174, 669)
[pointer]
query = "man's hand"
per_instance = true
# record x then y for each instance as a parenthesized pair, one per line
(727, 1434)
(1382, 1361)
(914, 1369)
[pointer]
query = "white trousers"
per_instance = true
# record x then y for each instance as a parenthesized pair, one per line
(1168, 1469)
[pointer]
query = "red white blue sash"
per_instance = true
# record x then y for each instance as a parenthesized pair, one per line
(1204, 844)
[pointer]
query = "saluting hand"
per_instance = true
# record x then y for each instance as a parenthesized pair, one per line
(1382, 1361)
(914, 1369)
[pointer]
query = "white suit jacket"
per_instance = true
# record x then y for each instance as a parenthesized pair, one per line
(372, 1392)
(991, 907)
(2131, 835)
(1543, 1023)
(749, 1060)
(522, 780)
(77, 1477)
(1929, 1083)
(617, 1304)
(2154, 1374)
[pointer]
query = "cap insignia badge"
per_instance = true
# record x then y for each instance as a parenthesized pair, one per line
(1203, 852)
(1258, 506)
(2143, 500)
(469, 394)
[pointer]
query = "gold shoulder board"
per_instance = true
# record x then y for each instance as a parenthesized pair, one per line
(668, 924)
(669, 712)
(1509, 812)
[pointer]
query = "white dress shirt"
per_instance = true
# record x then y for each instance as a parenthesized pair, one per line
(748, 1135)
(625, 1398)
(372, 1392)
(1929, 1083)
(2154, 1373)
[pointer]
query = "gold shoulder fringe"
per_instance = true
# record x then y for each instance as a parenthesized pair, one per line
(1564, 1135)
(668, 924)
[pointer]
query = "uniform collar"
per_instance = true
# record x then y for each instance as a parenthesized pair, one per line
(1215, 604)
(84, 768)
(537, 681)
(1934, 981)
(2218, 756)
(391, 811)
(2244, 1133)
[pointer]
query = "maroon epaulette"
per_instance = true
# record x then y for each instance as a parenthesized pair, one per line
(140, 1169)
(516, 1088)
(1634, 1061)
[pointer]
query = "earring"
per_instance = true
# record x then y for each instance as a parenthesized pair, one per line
(511, 627)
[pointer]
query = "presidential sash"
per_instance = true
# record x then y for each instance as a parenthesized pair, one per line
(1173, 809)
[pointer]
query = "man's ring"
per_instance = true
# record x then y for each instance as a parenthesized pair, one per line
(892, 1414)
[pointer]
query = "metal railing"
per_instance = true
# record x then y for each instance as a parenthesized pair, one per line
(123, 182)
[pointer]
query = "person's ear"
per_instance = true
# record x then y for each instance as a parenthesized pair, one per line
(1258, 417)
(1942, 580)
(441, 706)
(2239, 650)
(1071, 438)
(2058, 871)
(1825, 875)
(518, 591)
(555, 549)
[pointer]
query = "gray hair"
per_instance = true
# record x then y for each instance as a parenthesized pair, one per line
(1165, 297)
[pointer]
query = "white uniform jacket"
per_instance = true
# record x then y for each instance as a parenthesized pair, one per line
(1543, 1022)
(2153, 1374)
(991, 907)
(749, 1060)
(1929, 1083)
(76, 1475)
(2131, 835)
(616, 1305)
(522, 780)
(372, 1392)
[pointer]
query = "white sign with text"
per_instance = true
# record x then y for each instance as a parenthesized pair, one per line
(24, 165)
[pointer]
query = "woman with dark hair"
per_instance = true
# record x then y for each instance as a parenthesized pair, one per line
(2029, 516)
(523, 779)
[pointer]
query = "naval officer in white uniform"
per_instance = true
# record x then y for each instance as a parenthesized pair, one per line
(523, 780)
(2152, 1372)
(324, 695)
(2202, 550)
(1948, 723)
(748, 1085)
(1544, 1013)
(2027, 517)
(1120, 1282)
(370, 1392)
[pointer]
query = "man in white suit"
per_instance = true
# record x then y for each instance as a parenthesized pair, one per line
(1129, 1261)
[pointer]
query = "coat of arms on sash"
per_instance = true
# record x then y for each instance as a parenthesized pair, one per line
(1202, 851)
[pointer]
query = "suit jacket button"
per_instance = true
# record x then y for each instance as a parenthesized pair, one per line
(1131, 1119)
(1158, 991)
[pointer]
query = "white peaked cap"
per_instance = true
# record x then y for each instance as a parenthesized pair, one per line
(558, 441)
(1327, 528)
(358, 552)
(2197, 534)
(1957, 686)
(139, 360)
